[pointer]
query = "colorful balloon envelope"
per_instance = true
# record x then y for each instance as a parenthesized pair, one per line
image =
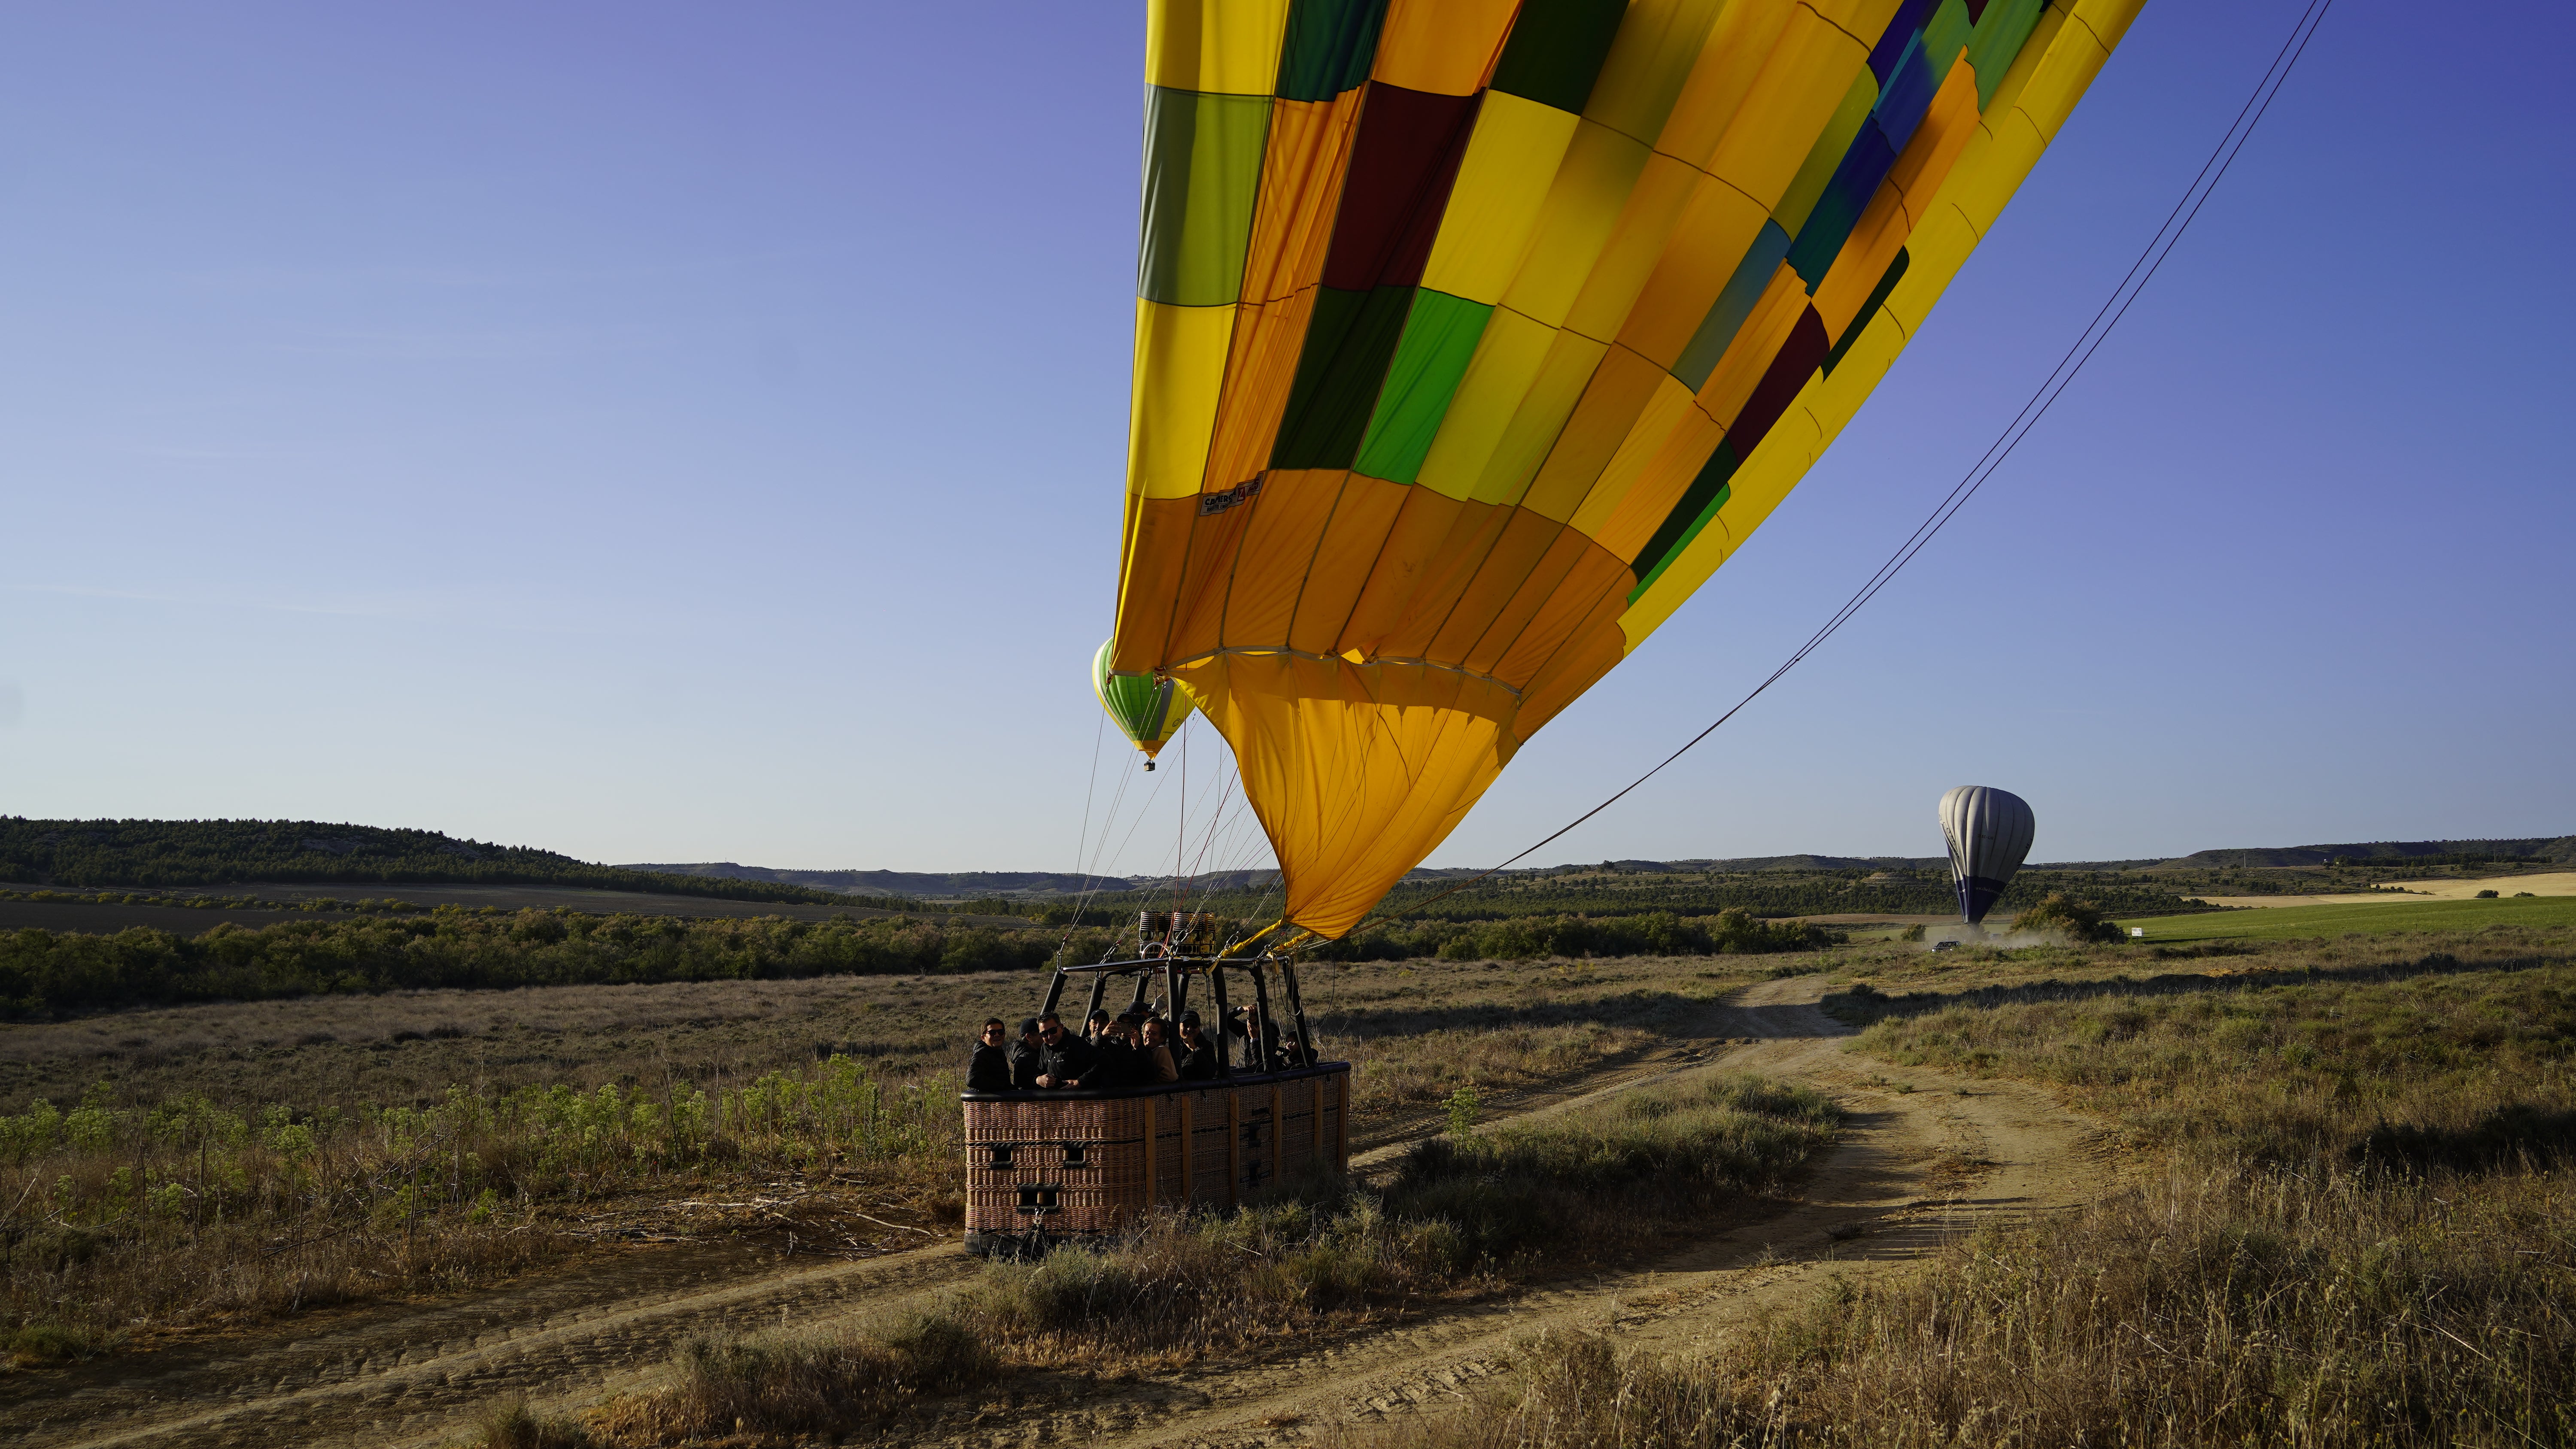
(1473, 336)
(1149, 711)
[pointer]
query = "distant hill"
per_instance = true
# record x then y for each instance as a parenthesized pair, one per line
(1041, 885)
(1791, 862)
(2387, 852)
(164, 853)
(221, 852)
(968, 883)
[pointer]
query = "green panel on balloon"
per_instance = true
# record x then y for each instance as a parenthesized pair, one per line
(1439, 340)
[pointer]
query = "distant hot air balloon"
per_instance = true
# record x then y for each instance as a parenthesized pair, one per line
(1989, 831)
(1149, 711)
(1472, 336)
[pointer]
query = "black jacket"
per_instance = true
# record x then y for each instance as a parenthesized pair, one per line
(1264, 1060)
(1196, 1066)
(989, 1070)
(1119, 1064)
(1024, 1066)
(1071, 1057)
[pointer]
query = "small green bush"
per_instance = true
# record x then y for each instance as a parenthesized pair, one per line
(509, 1425)
(2078, 920)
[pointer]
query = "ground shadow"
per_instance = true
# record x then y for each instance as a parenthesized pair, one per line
(1671, 1011)
(2512, 1138)
(1862, 1005)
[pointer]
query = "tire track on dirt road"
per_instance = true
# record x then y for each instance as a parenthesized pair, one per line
(376, 1376)
(1925, 1156)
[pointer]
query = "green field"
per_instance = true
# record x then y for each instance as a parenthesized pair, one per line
(2286, 922)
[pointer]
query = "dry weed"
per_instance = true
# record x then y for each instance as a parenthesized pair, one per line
(2237, 1305)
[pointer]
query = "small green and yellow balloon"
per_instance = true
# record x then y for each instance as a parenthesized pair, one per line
(1148, 710)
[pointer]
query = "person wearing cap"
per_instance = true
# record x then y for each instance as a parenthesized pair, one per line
(1259, 1037)
(1024, 1057)
(1197, 1054)
(989, 1069)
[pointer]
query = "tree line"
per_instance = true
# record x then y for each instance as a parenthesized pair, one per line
(166, 853)
(45, 973)
(49, 973)
(1525, 938)
(1765, 893)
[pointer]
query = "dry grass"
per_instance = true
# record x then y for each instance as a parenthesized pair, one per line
(1462, 1218)
(509, 1425)
(185, 1212)
(2230, 1306)
(1415, 1033)
(174, 1168)
(784, 1383)
(2359, 1234)
(314, 1053)
(2427, 1057)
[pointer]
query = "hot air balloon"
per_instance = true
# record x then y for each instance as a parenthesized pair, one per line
(1989, 831)
(1149, 711)
(1473, 336)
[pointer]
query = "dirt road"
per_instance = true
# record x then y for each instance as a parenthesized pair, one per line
(1926, 1156)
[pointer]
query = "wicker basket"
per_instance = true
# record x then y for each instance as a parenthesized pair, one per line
(1047, 1168)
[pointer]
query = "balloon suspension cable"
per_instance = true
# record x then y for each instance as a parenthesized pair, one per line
(1082, 843)
(1181, 826)
(1101, 852)
(1219, 818)
(2142, 271)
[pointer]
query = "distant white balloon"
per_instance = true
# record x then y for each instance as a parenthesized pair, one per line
(1989, 831)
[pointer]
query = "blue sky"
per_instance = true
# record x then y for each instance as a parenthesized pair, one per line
(693, 433)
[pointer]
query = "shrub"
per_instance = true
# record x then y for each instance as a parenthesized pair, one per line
(509, 1425)
(1462, 1107)
(785, 1382)
(1600, 1174)
(2078, 920)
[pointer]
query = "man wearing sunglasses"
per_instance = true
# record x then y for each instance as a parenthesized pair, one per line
(1063, 1058)
(989, 1070)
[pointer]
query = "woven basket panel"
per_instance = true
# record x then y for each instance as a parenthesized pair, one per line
(1040, 1119)
(1106, 1193)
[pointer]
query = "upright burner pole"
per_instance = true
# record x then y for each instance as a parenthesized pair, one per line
(1306, 1053)
(1216, 980)
(1254, 1041)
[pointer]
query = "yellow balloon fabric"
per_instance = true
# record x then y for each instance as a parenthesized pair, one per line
(1472, 336)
